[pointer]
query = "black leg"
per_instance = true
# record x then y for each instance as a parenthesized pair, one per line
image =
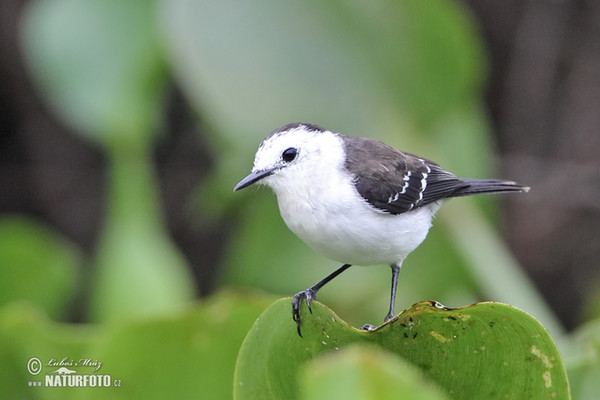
(395, 270)
(310, 294)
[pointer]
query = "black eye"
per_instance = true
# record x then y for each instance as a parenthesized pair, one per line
(289, 154)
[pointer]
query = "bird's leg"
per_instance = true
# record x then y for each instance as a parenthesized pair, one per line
(310, 294)
(395, 270)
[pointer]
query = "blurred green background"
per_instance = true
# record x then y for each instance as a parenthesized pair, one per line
(125, 126)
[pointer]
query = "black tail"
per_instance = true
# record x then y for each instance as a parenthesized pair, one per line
(483, 186)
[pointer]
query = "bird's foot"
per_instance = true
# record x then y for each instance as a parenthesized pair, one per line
(388, 317)
(309, 295)
(368, 327)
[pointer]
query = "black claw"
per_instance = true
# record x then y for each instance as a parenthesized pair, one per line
(309, 295)
(387, 318)
(368, 327)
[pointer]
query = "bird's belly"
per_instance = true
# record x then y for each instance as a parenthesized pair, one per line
(365, 237)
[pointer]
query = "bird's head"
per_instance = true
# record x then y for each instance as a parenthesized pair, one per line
(295, 154)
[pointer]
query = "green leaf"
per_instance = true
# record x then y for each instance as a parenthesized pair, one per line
(583, 364)
(483, 351)
(26, 333)
(37, 265)
(373, 61)
(365, 372)
(139, 270)
(191, 353)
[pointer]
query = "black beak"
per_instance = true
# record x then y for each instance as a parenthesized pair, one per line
(253, 177)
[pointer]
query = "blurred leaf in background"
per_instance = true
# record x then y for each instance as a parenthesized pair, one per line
(38, 266)
(99, 63)
(192, 351)
(583, 361)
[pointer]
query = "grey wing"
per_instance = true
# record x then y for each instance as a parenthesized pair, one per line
(404, 189)
(394, 181)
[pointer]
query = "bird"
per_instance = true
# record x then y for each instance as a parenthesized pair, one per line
(355, 200)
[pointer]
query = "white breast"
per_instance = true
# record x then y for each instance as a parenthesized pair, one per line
(363, 238)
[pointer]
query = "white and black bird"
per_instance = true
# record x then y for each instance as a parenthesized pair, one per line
(355, 200)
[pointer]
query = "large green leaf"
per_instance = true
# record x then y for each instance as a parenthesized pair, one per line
(483, 351)
(191, 353)
(359, 65)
